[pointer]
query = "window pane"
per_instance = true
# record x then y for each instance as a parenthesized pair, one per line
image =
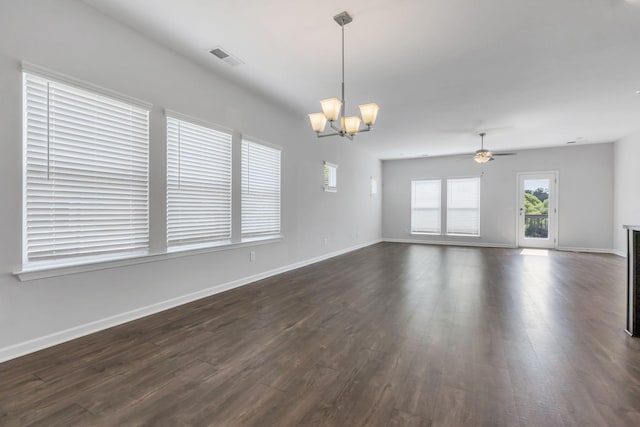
(425, 206)
(463, 206)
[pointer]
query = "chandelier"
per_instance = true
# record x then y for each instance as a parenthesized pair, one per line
(333, 109)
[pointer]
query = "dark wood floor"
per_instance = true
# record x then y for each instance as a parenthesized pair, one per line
(393, 334)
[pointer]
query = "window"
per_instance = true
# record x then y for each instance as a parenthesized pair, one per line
(463, 206)
(260, 191)
(85, 175)
(198, 185)
(330, 177)
(425, 206)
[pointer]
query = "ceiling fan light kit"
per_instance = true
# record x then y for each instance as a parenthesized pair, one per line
(333, 109)
(483, 156)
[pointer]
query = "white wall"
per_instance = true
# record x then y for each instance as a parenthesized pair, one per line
(626, 194)
(72, 38)
(585, 196)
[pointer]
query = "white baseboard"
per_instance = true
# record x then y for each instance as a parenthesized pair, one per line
(590, 250)
(449, 243)
(498, 245)
(26, 347)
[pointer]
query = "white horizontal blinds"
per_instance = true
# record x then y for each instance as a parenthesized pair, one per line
(425, 206)
(260, 190)
(86, 173)
(463, 206)
(198, 184)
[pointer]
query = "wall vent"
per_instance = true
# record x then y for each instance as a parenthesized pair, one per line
(225, 56)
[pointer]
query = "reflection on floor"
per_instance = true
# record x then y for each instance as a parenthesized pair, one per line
(534, 252)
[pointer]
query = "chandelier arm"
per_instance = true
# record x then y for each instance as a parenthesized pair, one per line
(336, 128)
(342, 134)
(322, 135)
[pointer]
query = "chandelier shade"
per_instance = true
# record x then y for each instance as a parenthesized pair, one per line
(318, 121)
(333, 109)
(352, 124)
(369, 112)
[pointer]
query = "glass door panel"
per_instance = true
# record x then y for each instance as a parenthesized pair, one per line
(537, 209)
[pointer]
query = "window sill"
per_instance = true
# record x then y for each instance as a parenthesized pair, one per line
(190, 247)
(415, 233)
(44, 272)
(258, 240)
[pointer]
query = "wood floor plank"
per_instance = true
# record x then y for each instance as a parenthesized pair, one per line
(453, 407)
(403, 419)
(392, 334)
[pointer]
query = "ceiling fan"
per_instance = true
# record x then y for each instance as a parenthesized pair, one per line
(483, 155)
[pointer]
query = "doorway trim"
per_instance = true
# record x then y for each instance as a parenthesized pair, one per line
(556, 199)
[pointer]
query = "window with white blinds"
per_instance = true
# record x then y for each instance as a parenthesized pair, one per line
(330, 177)
(198, 185)
(425, 206)
(260, 190)
(463, 206)
(85, 175)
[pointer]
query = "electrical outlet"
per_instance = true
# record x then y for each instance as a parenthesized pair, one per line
(252, 256)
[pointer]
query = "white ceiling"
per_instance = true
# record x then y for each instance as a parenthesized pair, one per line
(539, 73)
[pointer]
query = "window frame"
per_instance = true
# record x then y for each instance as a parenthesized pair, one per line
(88, 92)
(245, 139)
(192, 121)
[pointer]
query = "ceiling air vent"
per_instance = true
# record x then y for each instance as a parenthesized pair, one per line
(225, 56)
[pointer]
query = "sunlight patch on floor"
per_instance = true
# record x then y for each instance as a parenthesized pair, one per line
(535, 252)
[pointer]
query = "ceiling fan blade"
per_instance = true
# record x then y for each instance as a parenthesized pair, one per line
(505, 154)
